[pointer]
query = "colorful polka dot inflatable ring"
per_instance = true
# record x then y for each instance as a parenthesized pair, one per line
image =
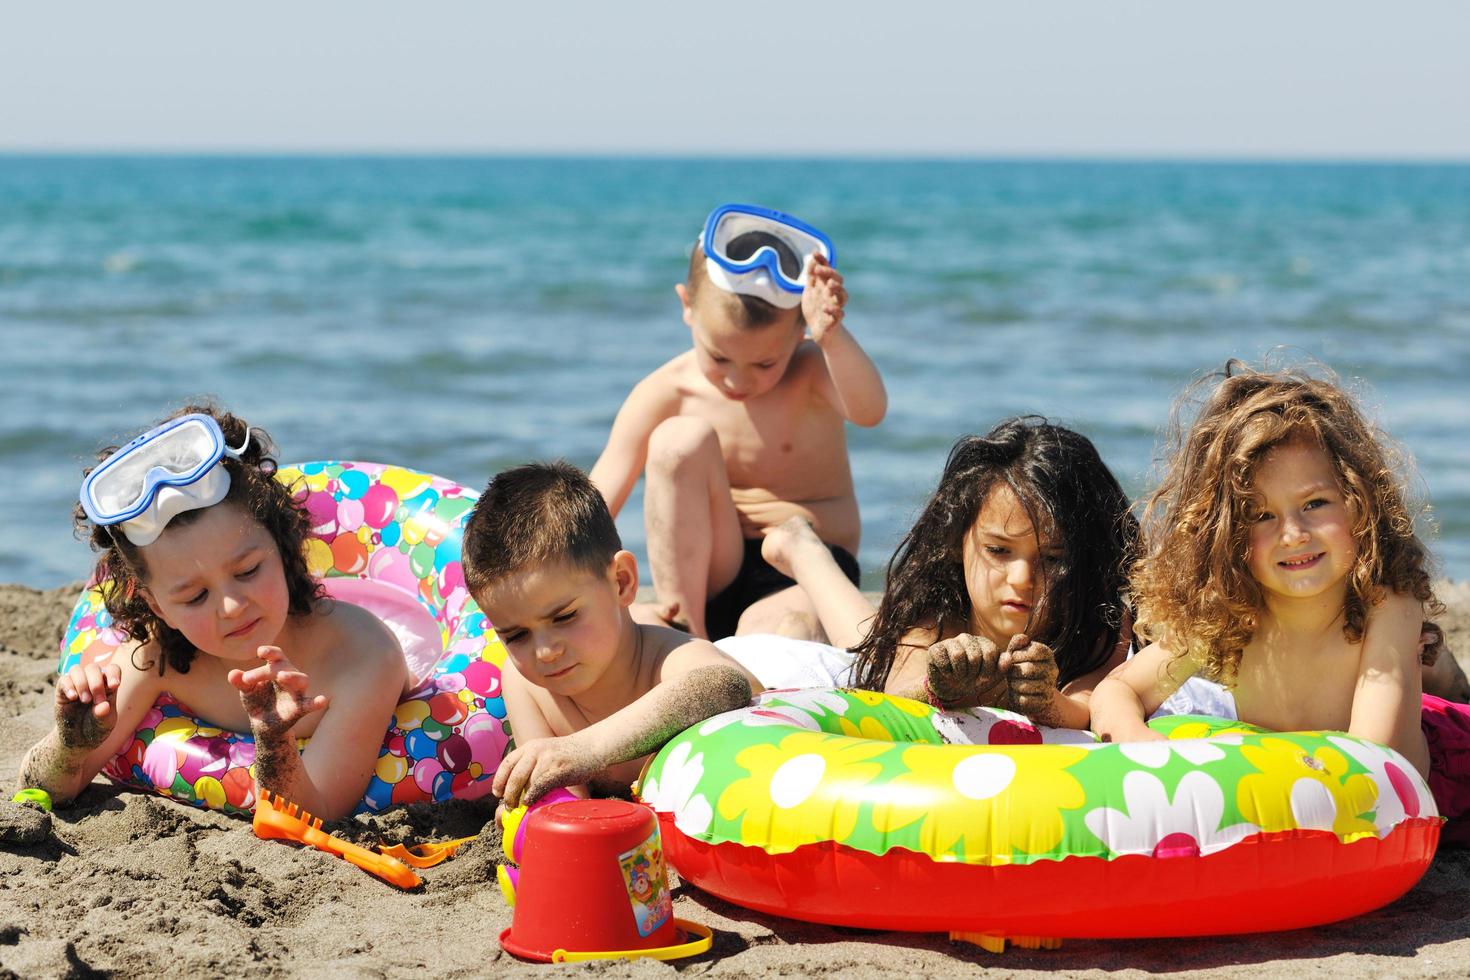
(383, 537)
(861, 809)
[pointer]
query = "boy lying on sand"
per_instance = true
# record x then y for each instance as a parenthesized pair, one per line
(589, 692)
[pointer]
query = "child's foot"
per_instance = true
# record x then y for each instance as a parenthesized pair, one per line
(658, 614)
(786, 540)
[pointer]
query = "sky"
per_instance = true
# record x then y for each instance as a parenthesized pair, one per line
(1289, 79)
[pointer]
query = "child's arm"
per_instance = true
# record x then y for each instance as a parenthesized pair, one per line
(1386, 702)
(329, 777)
(528, 725)
(1122, 701)
(852, 382)
(692, 687)
(97, 710)
(617, 470)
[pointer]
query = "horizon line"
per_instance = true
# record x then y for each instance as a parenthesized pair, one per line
(379, 153)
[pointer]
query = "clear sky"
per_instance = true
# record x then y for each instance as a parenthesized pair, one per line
(1152, 78)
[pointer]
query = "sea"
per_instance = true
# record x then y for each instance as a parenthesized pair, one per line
(461, 315)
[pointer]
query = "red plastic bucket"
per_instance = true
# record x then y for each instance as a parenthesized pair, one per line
(592, 882)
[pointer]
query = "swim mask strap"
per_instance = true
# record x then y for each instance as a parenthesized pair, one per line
(234, 453)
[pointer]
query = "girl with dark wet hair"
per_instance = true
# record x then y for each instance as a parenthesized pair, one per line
(1008, 590)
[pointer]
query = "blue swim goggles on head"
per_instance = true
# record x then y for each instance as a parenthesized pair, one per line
(758, 252)
(169, 469)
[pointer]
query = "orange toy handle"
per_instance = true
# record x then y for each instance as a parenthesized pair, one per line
(278, 819)
(389, 869)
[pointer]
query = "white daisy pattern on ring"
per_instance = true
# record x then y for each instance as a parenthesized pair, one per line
(681, 772)
(796, 779)
(1195, 751)
(1313, 806)
(1187, 826)
(815, 700)
(725, 718)
(799, 708)
(1402, 792)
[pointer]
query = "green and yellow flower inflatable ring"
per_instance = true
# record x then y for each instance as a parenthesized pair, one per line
(855, 808)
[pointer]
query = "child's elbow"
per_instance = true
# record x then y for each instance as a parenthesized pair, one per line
(728, 689)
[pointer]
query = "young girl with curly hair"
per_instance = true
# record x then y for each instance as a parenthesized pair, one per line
(202, 566)
(1281, 562)
(1008, 590)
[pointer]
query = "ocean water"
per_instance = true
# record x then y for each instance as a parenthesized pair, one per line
(461, 315)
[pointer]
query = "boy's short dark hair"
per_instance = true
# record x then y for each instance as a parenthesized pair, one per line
(537, 514)
(754, 311)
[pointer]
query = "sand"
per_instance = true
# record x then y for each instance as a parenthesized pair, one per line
(128, 884)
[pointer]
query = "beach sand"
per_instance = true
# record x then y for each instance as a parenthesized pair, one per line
(129, 884)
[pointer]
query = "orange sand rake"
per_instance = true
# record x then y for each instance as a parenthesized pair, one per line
(278, 819)
(425, 855)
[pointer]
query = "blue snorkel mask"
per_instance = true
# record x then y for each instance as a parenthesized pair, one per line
(169, 469)
(758, 252)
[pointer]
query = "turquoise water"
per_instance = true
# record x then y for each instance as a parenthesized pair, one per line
(461, 315)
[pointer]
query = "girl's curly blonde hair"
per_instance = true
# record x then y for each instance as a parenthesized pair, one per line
(1192, 588)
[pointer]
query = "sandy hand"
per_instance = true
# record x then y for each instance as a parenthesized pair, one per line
(961, 668)
(784, 541)
(1031, 678)
(541, 765)
(85, 714)
(824, 299)
(274, 694)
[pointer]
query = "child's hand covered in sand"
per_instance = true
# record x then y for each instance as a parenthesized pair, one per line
(961, 668)
(85, 714)
(541, 765)
(824, 299)
(274, 694)
(1031, 675)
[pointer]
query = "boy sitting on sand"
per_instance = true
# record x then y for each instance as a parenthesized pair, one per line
(589, 692)
(745, 429)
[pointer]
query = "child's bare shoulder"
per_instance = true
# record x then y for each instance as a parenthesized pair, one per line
(351, 640)
(137, 664)
(923, 636)
(663, 389)
(1394, 624)
(674, 373)
(809, 377)
(1401, 605)
(671, 652)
